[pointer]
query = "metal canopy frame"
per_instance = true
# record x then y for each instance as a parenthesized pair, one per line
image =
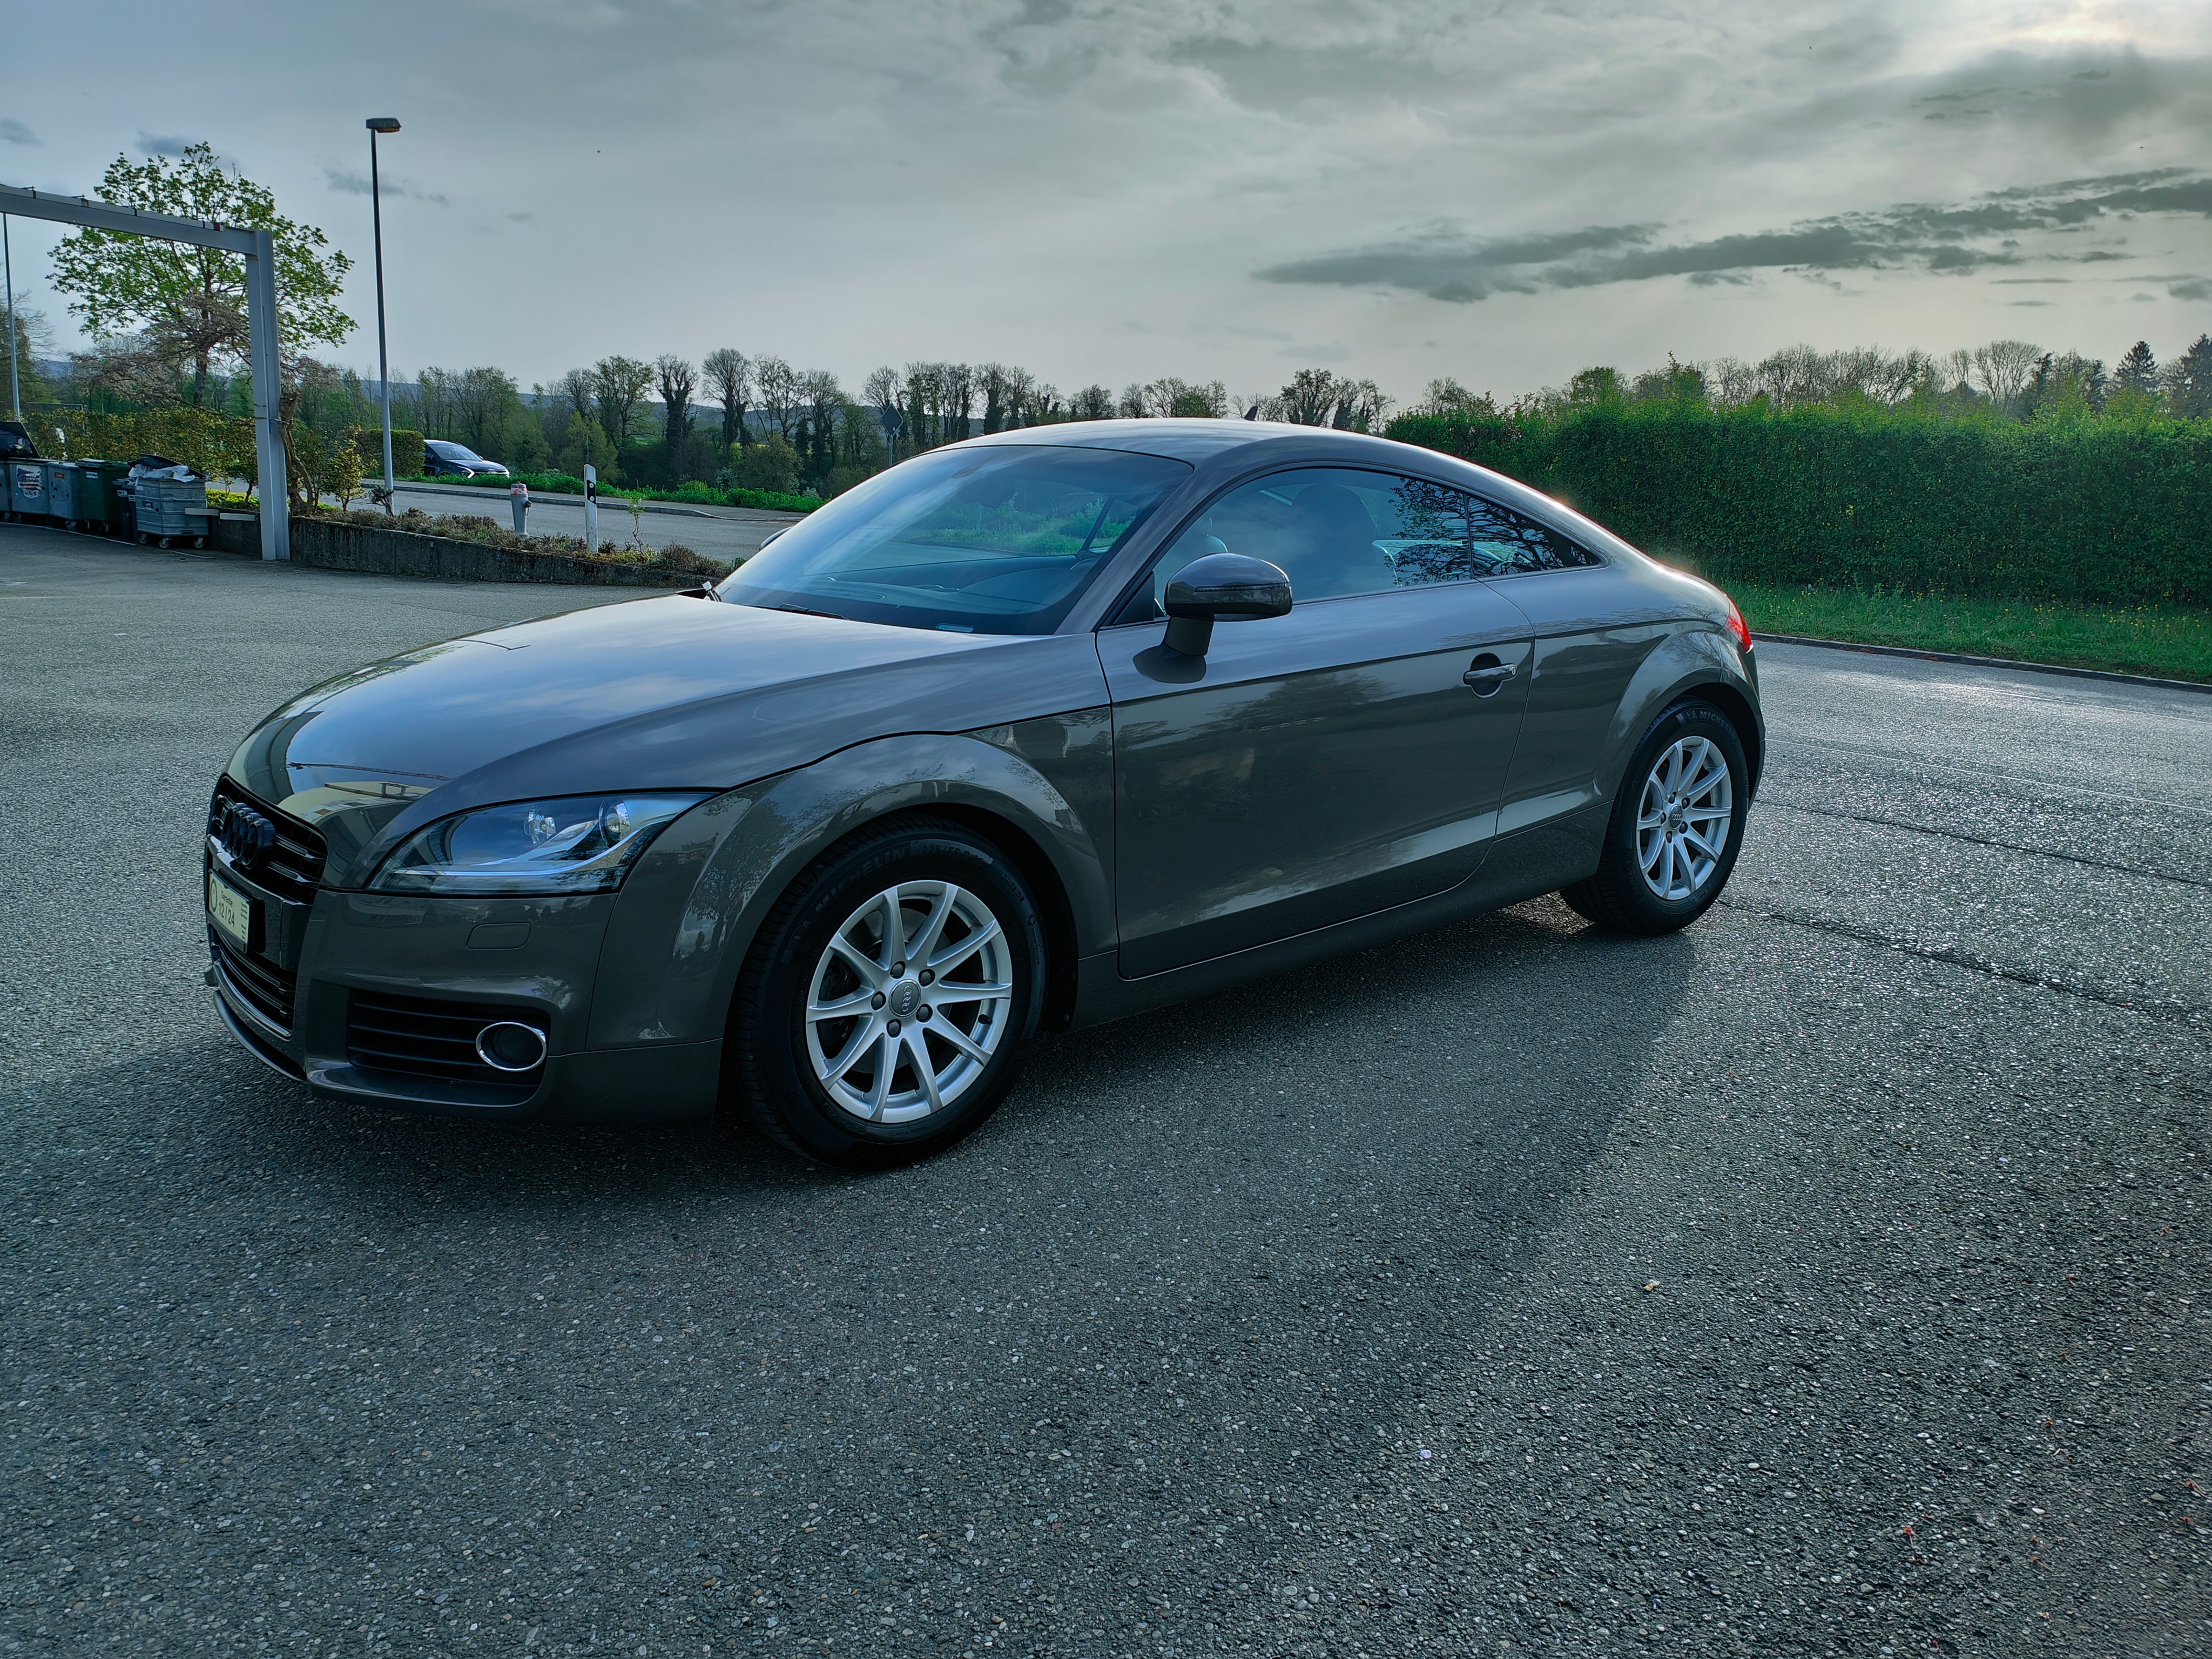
(259, 247)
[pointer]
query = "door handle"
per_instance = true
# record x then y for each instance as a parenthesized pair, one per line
(1487, 677)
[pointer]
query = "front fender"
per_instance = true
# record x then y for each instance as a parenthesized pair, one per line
(688, 914)
(1683, 661)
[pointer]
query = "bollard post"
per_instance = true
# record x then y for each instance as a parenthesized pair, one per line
(591, 508)
(518, 497)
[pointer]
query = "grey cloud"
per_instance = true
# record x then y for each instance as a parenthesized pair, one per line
(2083, 95)
(16, 132)
(1267, 76)
(2196, 289)
(348, 183)
(159, 143)
(1445, 263)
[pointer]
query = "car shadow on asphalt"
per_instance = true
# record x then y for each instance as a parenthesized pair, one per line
(1438, 1054)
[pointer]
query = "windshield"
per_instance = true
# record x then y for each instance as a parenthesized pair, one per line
(452, 452)
(993, 540)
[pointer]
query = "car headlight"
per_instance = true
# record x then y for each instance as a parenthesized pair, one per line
(579, 844)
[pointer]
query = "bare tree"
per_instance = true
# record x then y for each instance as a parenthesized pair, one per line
(925, 404)
(1308, 399)
(823, 396)
(956, 399)
(777, 383)
(617, 384)
(885, 393)
(992, 378)
(1021, 389)
(2004, 368)
(574, 391)
(1360, 406)
(730, 383)
(677, 377)
(1093, 403)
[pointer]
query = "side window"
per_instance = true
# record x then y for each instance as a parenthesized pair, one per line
(1339, 531)
(1503, 543)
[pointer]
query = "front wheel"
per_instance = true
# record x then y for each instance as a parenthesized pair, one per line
(1677, 825)
(881, 1013)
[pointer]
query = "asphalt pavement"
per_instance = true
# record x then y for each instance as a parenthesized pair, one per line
(1829, 1278)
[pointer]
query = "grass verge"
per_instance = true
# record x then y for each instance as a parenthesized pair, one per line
(2172, 642)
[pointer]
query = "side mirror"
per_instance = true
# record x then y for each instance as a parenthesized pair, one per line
(1221, 585)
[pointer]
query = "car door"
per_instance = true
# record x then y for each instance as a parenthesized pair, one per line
(1591, 636)
(1338, 761)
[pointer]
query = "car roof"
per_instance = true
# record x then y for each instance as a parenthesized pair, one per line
(1191, 441)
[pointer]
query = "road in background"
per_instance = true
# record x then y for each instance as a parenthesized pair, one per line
(729, 534)
(1826, 1279)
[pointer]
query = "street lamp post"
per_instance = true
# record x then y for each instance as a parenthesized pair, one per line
(377, 125)
(8, 259)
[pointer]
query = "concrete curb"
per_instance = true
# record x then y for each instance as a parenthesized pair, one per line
(1990, 662)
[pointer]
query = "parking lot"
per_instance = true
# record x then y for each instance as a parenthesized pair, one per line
(1831, 1278)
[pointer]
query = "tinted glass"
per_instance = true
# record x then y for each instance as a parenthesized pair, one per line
(1339, 530)
(998, 540)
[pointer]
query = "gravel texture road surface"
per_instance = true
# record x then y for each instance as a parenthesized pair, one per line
(1829, 1278)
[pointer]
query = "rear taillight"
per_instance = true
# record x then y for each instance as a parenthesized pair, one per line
(1738, 627)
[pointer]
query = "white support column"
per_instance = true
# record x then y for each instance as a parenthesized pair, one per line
(268, 393)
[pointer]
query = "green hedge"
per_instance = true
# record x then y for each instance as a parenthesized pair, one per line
(697, 495)
(2093, 512)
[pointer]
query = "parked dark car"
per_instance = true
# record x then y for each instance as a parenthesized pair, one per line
(445, 459)
(1032, 732)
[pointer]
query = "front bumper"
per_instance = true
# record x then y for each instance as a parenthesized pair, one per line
(294, 999)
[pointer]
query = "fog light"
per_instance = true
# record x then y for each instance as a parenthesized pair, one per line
(508, 1045)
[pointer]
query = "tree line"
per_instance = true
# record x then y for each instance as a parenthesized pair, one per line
(2004, 379)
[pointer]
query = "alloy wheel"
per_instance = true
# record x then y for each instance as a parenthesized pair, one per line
(910, 1001)
(1683, 818)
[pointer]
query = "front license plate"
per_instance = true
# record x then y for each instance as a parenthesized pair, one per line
(231, 910)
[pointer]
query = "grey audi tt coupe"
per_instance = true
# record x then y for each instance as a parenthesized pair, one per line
(1035, 731)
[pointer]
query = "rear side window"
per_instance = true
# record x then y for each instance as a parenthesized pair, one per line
(1340, 530)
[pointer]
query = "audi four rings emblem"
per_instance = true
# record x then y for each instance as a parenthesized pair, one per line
(247, 837)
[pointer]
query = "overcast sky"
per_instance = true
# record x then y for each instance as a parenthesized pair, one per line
(1503, 191)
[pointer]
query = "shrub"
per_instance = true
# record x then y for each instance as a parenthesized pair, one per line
(771, 464)
(406, 451)
(2089, 512)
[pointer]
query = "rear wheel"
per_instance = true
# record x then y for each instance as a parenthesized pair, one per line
(881, 1013)
(1676, 829)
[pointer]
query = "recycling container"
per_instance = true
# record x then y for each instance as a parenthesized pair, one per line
(161, 504)
(96, 501)
(27, 489)
(61, 493)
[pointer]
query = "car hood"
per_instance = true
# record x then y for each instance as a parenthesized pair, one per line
(667, 693)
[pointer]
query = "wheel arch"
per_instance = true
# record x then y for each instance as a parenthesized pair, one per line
(689, 915)
(1749, 730)
(1697, 662)
(1054, 907)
